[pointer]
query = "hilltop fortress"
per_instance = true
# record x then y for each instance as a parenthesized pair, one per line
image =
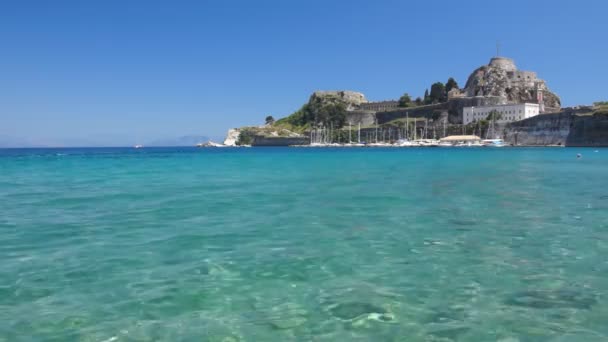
(498, 83)
(501, 79)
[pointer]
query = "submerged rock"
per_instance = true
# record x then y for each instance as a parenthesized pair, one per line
(286, 316)
(288, 322)
(461, 222)
(552, 299)
(447, 315)
(451, 333)
(354, 310)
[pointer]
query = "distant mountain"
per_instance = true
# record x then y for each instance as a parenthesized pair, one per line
(186, 140)
(95, 140)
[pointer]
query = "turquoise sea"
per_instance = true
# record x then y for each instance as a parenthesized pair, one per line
(278, 244)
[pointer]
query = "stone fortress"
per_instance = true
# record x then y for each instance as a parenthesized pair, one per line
(501, 79)
(514, 77)
(499, 83)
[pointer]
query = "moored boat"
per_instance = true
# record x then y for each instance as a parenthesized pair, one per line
(493, 142)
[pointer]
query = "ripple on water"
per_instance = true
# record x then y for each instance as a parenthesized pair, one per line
(550, 299)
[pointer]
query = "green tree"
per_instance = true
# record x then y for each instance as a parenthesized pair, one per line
(405, 100)
(319, 113)
(246, 137)
(427, 99)
(335, 115)
(302, 116)
(494, 115)
(418, 101)
(438, 93)
(451, 84)
(269, 120)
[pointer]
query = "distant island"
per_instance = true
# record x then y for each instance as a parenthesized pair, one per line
(497, 101)
(186, 140)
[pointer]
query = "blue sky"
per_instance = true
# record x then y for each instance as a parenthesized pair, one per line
(125, 72)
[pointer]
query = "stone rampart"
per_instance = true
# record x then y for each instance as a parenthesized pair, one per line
(572, 127)
(363, 117)
(540, 130)
(504, 63)
(259, 140)
(379, 106)
(589, 130)
(428, 111)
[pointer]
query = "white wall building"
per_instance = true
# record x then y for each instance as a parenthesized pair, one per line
(508, 113)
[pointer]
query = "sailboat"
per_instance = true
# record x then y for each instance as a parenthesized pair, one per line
(489, 141)
(358, 143)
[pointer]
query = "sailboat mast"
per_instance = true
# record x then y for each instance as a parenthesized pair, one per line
(426, 121)
(376, 130)
(407, 123)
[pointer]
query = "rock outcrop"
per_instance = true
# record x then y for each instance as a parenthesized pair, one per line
(501, 78)
(351, 99)
(263, 136)
(232, 137)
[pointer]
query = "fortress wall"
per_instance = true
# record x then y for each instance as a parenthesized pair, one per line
(540, 130)
(528, 76)
(588, 130)
(363, 117)
(415, 112)
(565, 128)
(525, 79)
(503, 63)
(259, 140)
(380, 106)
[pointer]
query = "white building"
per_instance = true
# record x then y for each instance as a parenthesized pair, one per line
(507, 113)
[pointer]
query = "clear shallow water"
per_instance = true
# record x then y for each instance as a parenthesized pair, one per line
(303, 244)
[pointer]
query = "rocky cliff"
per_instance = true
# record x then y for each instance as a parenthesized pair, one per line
(232, 137)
